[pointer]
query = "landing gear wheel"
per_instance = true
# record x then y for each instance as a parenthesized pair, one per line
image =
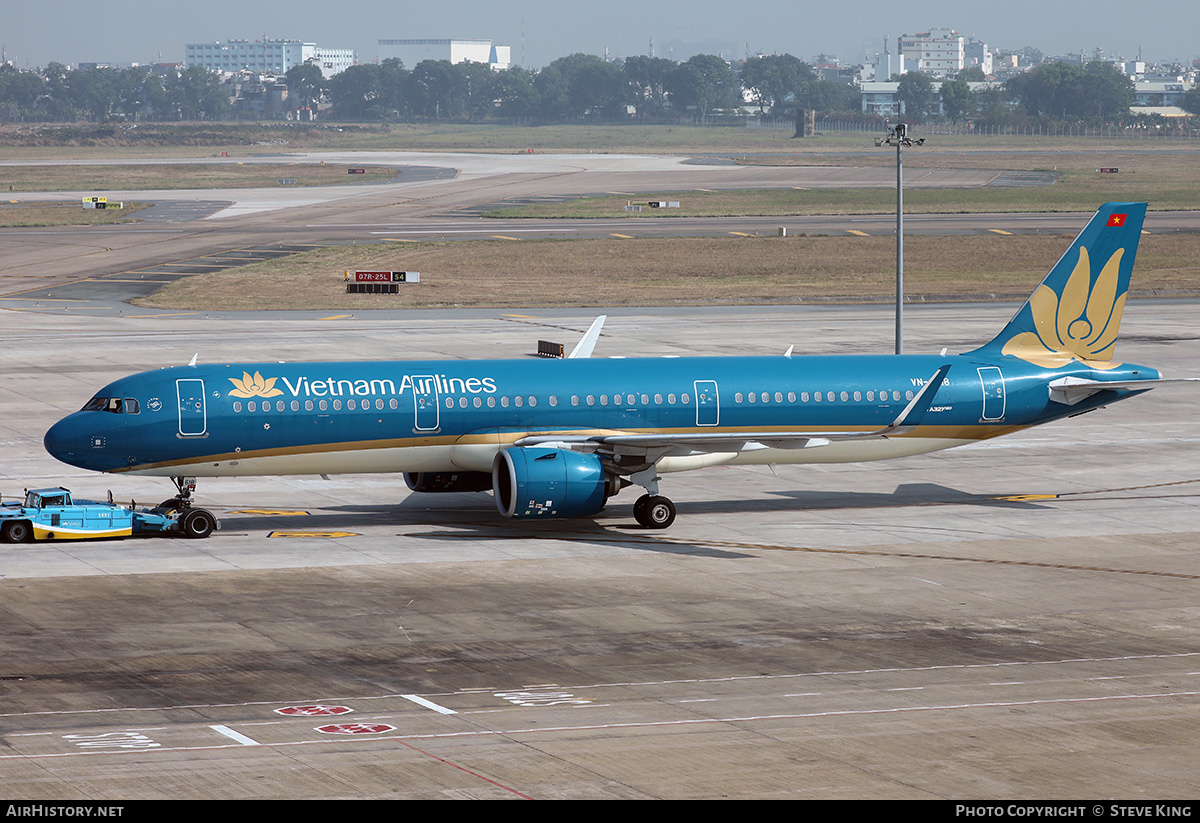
(170, 505)
(654, 511)
(197, 524)
(18, 531)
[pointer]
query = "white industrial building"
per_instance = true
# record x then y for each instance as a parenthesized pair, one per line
(413, 51)
(266, 56)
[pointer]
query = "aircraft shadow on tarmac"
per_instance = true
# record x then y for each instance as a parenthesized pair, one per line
(472, 515)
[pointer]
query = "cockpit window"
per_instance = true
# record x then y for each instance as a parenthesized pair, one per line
(132, 406)
(109, 404)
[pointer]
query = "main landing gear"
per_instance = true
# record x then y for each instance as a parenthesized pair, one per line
(654, 511)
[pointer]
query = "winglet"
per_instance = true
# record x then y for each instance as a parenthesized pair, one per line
(588, 342)
(192, 362)
(920, 404)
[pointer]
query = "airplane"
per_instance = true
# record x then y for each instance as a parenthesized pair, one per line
(557, 438)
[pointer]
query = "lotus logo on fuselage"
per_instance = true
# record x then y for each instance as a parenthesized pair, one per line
(254, 386)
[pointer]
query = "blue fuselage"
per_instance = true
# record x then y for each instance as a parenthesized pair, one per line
(397, 416)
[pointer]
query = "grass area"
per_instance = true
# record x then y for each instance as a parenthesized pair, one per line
(666, 272)
(1167, 181)
(227, 175)
(33, 213)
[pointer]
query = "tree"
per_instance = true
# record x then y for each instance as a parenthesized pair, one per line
(703, 82)
(581, 85)
(773, 79)
(647, 80)
(355, 90)
(1064, 90)
(957, 99)
(972, 74)
(196, 94)
(513, 92)
(435, 90)
(1191, 100)
(917, 96)
(305, 84)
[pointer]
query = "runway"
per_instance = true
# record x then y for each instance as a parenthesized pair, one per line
(1014, 619)
(438, 195)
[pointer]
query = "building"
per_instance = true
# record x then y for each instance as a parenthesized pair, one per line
(976, 53)
(1159, 93)
(937, 52)
(883, 98)
(413, 51)
(266, 56)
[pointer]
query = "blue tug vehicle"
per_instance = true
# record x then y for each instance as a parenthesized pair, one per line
(52, 514)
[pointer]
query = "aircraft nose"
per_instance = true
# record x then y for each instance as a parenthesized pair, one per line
(69, 441)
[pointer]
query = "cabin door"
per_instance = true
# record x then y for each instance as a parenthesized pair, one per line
(425, 402)
(708, 412)
(993, 392)
(193, 416)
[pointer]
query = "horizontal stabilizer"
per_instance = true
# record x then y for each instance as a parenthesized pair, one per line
(1072, 390)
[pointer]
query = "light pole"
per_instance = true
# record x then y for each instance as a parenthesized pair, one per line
(898, 136)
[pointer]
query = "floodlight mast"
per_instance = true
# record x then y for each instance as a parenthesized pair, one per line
(898, 136)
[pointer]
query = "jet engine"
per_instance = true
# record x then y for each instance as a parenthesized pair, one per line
(545, 483)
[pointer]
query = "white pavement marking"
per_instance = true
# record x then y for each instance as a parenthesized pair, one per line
(232, 735)
(421, 701)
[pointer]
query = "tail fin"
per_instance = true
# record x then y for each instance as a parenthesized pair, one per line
(1076, 312)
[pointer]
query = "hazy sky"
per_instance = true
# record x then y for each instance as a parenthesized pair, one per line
(71, 31)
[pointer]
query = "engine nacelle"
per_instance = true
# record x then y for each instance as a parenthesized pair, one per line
(546, 483)
(448, 481)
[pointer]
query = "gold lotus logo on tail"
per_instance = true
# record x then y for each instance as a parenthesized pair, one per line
(1081, 324)
(254, 386)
